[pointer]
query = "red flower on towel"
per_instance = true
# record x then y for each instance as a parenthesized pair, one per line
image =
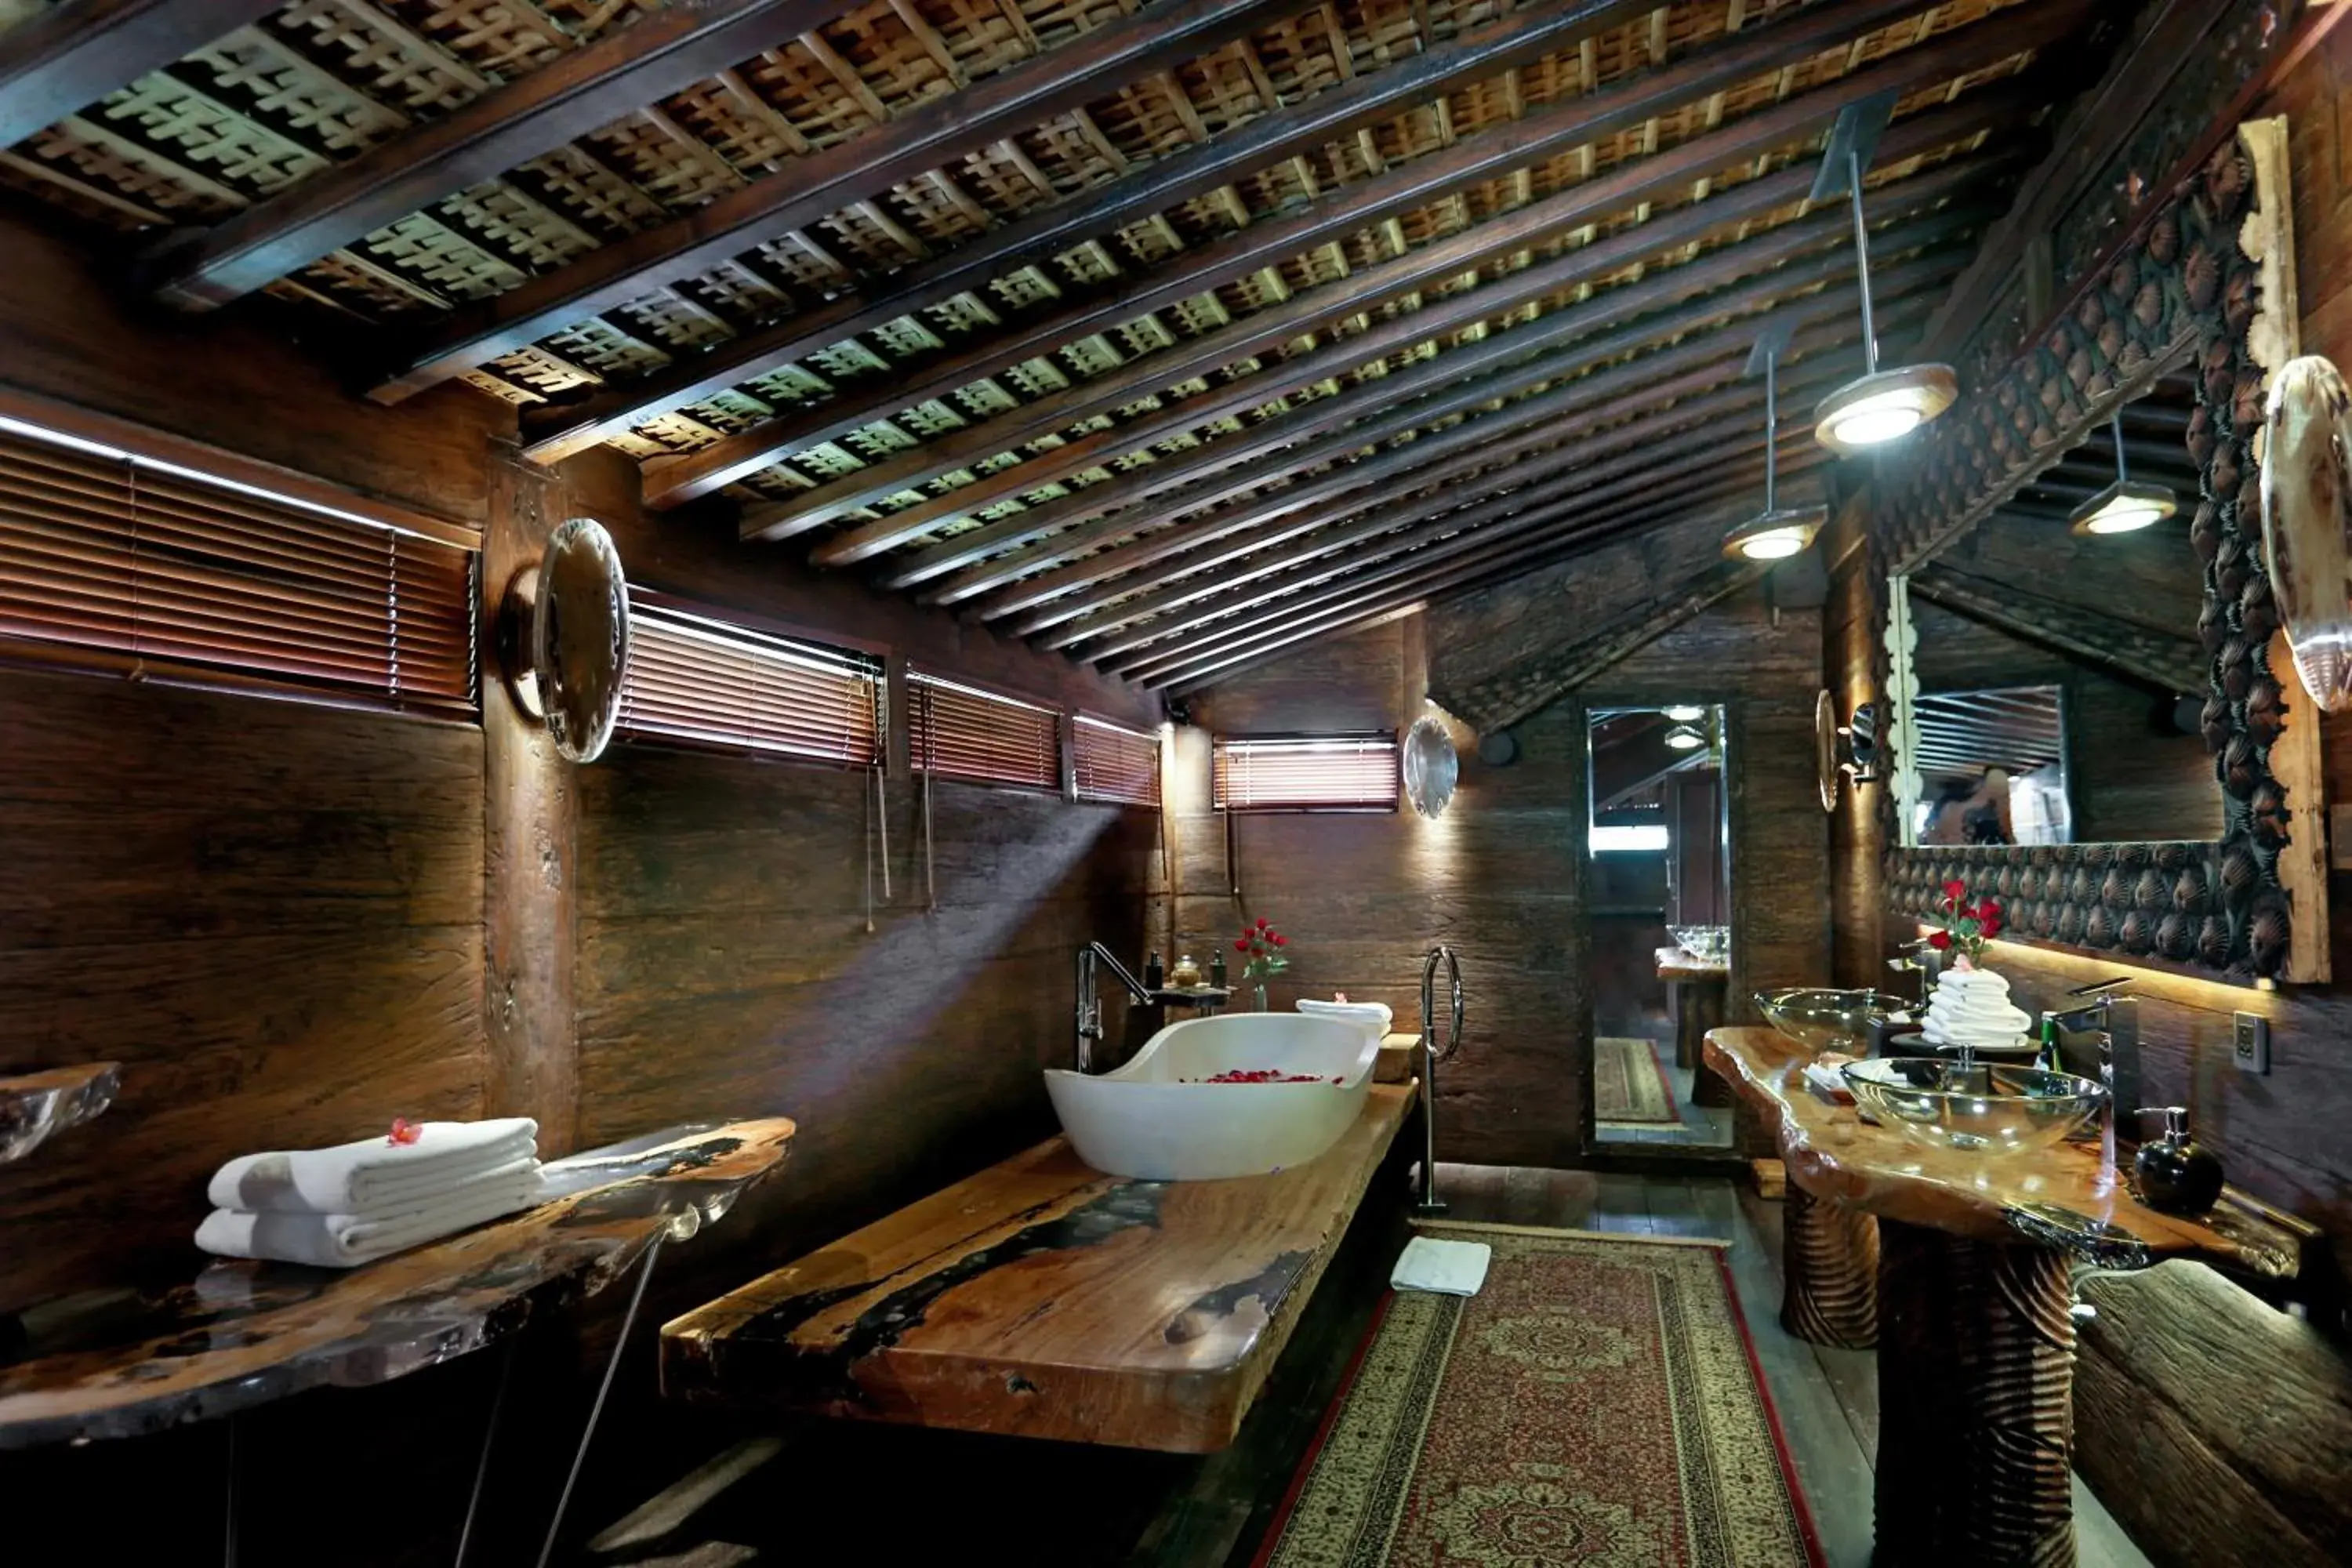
(1956, 890)
(404, 1130)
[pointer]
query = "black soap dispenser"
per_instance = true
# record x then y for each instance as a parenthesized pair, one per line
(2174, 1174)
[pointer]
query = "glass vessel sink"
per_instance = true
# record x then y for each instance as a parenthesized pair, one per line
(1992, 1110)
(1823, 1020)
(1712, 943)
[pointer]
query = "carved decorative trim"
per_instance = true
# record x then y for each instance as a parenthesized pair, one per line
(2184, 286)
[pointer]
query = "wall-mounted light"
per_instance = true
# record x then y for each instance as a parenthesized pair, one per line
(1684, 713)
(1683, 738)
(1882, 405)
(1776, 533)
(2127, 506)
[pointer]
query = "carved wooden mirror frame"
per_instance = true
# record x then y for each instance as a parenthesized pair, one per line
(2208, 275)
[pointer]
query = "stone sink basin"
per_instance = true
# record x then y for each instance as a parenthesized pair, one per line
(1157, 1118)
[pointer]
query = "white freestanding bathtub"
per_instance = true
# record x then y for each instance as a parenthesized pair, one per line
(1153, 1119)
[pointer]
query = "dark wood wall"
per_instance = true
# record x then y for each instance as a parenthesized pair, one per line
(294, 922)
(1497, 877)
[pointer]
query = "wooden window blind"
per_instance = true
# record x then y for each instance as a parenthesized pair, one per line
(119, 564)
(1305, 773)
(957, 731)
(1114, 762)
(697, 681)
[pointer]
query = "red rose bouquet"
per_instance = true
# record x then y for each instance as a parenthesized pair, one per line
(1961, 925)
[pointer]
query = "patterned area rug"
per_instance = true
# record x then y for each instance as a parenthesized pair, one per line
(1629, 1083)
(1597, 1405)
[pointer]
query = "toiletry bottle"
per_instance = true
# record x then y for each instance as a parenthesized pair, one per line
(1154, 977)
(1217, 970)
(2174, 1174)
(2050, 1059)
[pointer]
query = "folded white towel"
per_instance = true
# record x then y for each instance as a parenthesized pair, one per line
(1371, 1016)
(1442, 1268)
(373, 1174)
(345, 1240)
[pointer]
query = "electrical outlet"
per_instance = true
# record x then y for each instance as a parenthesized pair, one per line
(2252, 1042)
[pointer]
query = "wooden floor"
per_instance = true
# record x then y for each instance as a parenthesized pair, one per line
(1049, 1503)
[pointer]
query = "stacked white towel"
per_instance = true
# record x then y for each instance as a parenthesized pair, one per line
(1371, 1016)
(357, 1202)
(1442, 1268)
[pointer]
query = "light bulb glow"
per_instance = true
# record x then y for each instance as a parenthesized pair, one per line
(2125, 507)
(1886, 407)
(1685, 714)
(1683, 738)
(1775, 535)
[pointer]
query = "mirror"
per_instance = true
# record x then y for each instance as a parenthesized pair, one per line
(1658, 881)
(2058, 677)
(564, 639)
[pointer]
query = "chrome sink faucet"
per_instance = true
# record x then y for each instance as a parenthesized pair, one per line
(1919, 959)
(1089, 1012)
(2105, 1012)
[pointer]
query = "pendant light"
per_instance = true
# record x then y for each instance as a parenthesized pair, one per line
(1884, 405)
(2127, 506)
(1683, 738)
(1776, 533)
(1685, 714)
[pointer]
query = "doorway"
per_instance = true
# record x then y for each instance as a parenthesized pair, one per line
(1659, 886)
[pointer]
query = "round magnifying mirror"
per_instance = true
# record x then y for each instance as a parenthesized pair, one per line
(1431, 767)
(570, 617)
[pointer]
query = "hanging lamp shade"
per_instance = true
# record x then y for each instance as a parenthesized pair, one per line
(1880, 405)
(2127, 506)
(1777, 532)
(1683, 738)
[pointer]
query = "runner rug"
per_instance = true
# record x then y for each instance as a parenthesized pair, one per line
(1629, 1083)
(1597, 1404)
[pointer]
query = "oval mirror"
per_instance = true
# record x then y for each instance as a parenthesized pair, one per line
(1431, 766)
(1825, 748)
(572, 612)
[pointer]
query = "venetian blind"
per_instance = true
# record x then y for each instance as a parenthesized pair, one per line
(115, 563)
(961, 733)
(1113, 762)
(697, 681)
(1305, 773)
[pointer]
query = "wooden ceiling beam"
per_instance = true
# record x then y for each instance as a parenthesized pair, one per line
(933, 133)
(1225, 660)
(1430, 524)
(1659, 177)
(1458, 453)
(2165, 35)
(1687, 485)
(1465, 461)
(75, 52)
(1037, 236)
(1428, 267)
(1376, 409)
(661, 53)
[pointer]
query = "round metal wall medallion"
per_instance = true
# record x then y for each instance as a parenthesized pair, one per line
(1431, 766)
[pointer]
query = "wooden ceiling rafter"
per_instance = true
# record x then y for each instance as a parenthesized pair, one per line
(1755, 272)
(661, 53)
(70, 55)
(908, 146)
(1138, 196)
(1549, 525)
(1401, 188)
(1607, 198)
(1451, 455)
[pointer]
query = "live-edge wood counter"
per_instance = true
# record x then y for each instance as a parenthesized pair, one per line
(1044, 1298)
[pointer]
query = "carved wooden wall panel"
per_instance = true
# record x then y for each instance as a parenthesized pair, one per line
(2183, 283)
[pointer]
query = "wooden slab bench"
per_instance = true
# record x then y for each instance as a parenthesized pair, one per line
(1044, 1298)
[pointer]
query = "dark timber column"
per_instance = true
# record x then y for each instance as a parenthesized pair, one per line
(1829, 1261)
(1975, 1380)
(529, 846)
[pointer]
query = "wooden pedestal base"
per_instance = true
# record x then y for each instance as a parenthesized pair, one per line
(1976, 1375)
(1829, 1258)
(1698, 1007)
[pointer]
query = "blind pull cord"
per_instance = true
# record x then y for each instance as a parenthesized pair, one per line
(930, 760)
(882, 816)
(867, 838)
(138, 654)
